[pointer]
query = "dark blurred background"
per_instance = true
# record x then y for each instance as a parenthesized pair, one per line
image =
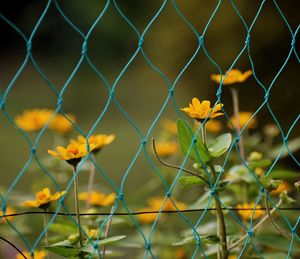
(169, 44)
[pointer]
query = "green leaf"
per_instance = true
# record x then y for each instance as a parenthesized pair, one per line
(284, 174)
(111, 239)
(64, 248)
(220, 145)
(210, 239)
(185, 136)
(188, 181)
(259, 163)
(67, 249)
(286, 198)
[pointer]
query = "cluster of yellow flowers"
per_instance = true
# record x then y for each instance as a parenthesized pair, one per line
(201, 110)
(35, 119)
(37, 255)
(98, 198)
(246, 214)
(155, 205)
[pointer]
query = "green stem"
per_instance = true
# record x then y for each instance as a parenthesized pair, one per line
(235, 102)
(203, 133)
(46, 232)
(77, 206)
(107, 232)
(221, 227)
(175, 166)
(91, 182)
(279, 229)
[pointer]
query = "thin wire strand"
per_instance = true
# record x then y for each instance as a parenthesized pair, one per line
(137, 212)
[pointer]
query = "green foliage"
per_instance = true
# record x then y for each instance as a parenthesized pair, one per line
(285, 174)
(268, 183)
(70, 250)
(259, 163)
(286, 198)
(190, 240)
(220, 145)
(188, 181)
(198, 152)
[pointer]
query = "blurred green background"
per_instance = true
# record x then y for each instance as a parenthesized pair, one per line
(169, 44)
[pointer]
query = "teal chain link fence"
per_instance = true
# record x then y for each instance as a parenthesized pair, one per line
(111, 88)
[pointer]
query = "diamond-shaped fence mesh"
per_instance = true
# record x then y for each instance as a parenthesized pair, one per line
(198, 227)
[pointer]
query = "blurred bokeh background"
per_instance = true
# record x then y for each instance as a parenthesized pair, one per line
(169, 44)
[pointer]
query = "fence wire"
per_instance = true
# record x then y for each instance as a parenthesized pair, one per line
(145, 138)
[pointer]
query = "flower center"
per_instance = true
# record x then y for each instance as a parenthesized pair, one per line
(41, 196)
(73, 150)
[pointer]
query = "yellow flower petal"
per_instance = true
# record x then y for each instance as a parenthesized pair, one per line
(201, 111)
(247, 214)
(33, 120)
(232, 77)
(244, 118)
(98, 198)
(42, 198)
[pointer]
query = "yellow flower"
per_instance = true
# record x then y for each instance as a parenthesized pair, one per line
(282, 188)
(9, 210)
(213, 126)
(97, 141)
(170, 126)
(200, 111)
(72, 154)
(92, 233)
(244, 117)
(155, 205)
(98, 198)
(234, 76)
(147, 217)
(156, 202)
(247, 214)
(61, 124)
(37, 255)
(232, 257)
(43, 199)
(33, 120)
(166, 148)
(259, 171)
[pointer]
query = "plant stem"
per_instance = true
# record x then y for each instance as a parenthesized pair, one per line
(175, 166)
(46, 232)
(281, 231)
(235, 102)
(76, 205)
(203, 133)
(221, 227)
(256, 226)
(107, 232)
(91, 182)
